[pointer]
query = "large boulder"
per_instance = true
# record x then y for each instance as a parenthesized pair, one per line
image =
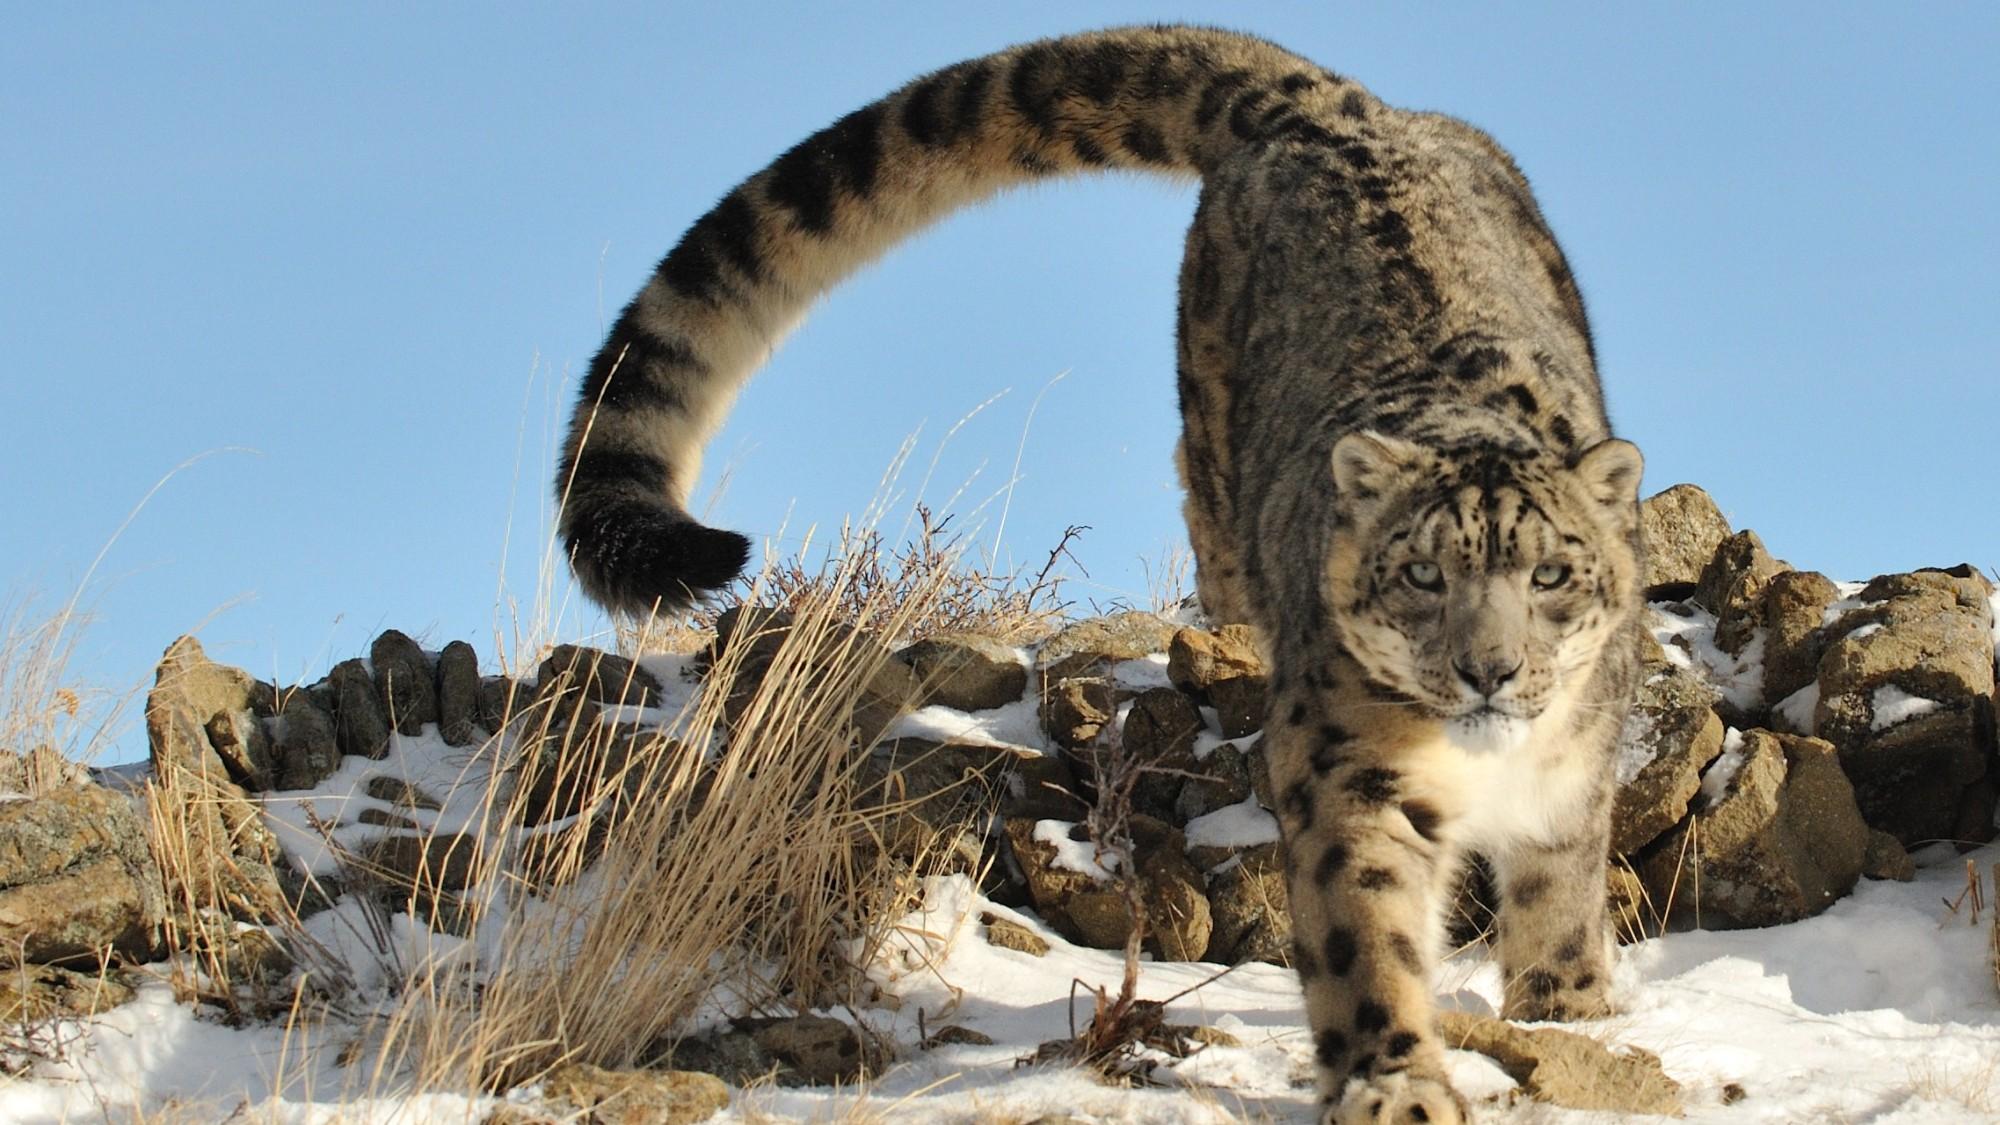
(1158, 738)
(1733, 585)
(602, 677)
(77, 879)
(969, 673)
(1795, 606)
(360, 726)
(1906, 690)
(458, 694)
(880, 687)
(1225, 670)
(1778, 839)
(1251, 909)
(307, 747)
(1670, 736)
(634, 1097)
(1681, 528)
(404, 682)
(1102, 641)
(1084, 900)
(226, 857)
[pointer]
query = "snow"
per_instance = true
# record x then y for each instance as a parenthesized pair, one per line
(1081, 856)
(1800, 709)
(1722, 772)
(1891, 705)
(1244, 825)
(1686, 633)
(1142, 674)
(1881, 1010)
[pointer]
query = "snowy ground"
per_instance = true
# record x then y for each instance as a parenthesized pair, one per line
(1883, 1009)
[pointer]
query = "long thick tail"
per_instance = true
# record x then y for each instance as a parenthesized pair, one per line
(1169, 99)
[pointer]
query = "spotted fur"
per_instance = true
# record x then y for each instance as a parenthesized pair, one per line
(1397, 461)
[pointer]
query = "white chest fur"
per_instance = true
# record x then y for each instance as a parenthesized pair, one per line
(1532, 791)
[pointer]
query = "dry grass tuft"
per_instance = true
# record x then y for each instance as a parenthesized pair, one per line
(725, 863)
(930, 569)
(44, 717)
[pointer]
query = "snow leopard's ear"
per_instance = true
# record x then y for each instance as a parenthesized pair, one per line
(1368, 466)
(1609, 472)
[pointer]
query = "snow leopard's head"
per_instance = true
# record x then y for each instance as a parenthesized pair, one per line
(1482, 584)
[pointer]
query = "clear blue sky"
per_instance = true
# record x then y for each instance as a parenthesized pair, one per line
(374, 247)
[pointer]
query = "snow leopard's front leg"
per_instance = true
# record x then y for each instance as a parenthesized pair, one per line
(1554, 951)
(1368, 861)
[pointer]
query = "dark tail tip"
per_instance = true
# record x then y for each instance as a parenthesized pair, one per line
(633, 556)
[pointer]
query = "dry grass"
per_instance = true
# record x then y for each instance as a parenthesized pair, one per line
(729, 860)
(44, 716)
(928, 568)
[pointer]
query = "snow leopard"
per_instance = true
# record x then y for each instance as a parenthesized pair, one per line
(1398, 467)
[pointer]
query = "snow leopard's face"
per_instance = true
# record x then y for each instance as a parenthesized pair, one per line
(1482, 587)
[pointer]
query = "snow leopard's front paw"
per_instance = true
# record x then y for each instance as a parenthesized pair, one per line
(1404, 1098)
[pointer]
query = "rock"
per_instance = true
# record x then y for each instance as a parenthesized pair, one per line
(33, 993)
(307, 750)
(404, 682)
(601, 677)
(1041, 787)
(1732, 587)
(1075, 709)
(1978, 814)
(935, 795)
(733, 1056)
(1566, 1069)
(77, 878)
(1013, 935)
(636, 1097)
(396, 791)
(1681, 528)
(1223, 669)
(890, 691)
(1094, 912)
(1107, 640)
(1673, 728)
(1251, 910)
(1906, 692)
(1783, 843)
(1218, 781)
(359, 726)
(955, 1036)
(380, 819)
(1795, 605)
(1198, 659)
(882, 688)
(500, 700)
(815, 1050)
(586, 762)
(969, 673)
(1158, 737)
(1886, 859)
(1240, 704)
(1206, 1036)
(441, 862)
(458, 694)
(221, 708)
(228, 858)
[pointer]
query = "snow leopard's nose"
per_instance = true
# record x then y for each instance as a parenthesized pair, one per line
(1486, 676)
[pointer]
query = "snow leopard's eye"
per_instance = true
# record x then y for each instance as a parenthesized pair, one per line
(1550, 576)
(1424, 576)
